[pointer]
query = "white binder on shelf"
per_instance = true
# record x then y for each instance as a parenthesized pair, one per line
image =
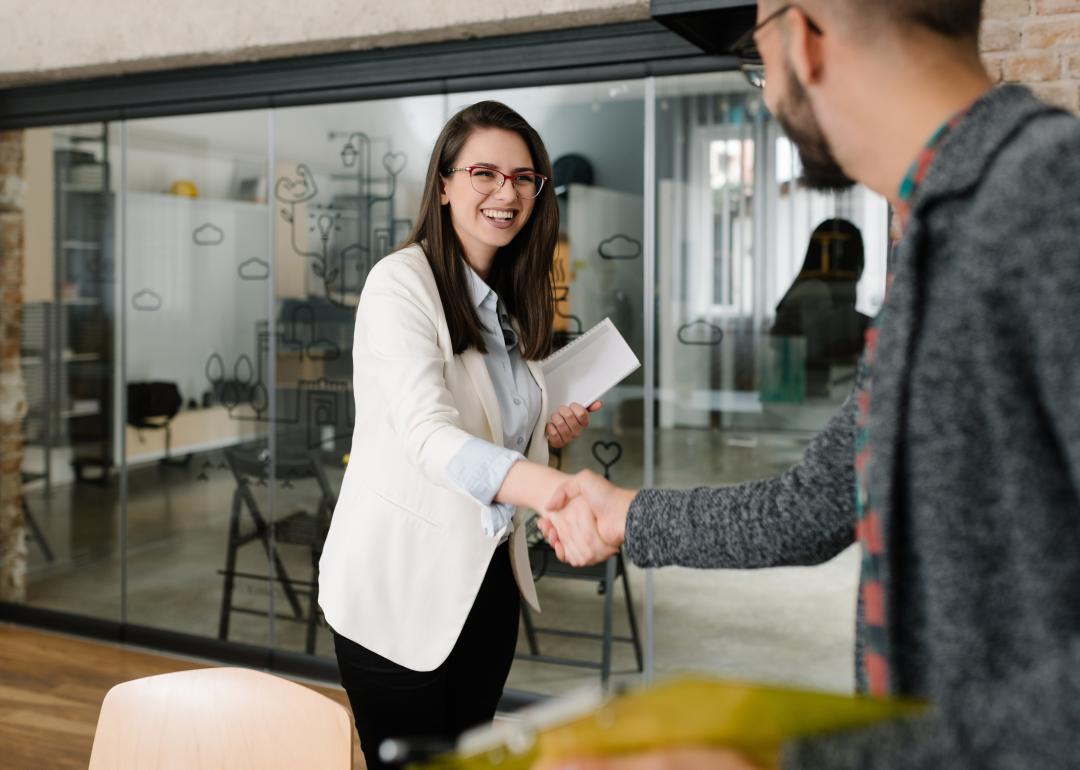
(588, 367)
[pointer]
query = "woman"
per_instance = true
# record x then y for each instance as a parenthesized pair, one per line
(426, 562)
(820, 304)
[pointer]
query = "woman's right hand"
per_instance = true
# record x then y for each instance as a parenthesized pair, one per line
(530, 485)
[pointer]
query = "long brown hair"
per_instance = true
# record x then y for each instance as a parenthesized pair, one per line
(521, 271)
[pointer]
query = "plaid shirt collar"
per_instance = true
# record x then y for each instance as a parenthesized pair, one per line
(918, 170)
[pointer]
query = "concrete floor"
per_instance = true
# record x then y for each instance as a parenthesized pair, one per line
(792, 626)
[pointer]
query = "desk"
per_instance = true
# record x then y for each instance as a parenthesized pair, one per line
(193, 430)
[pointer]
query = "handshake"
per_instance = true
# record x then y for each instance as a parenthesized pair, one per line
(585, 519)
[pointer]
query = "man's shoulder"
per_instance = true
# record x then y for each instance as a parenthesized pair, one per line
(1037, 168)
(1025, 211)
(1009, 155)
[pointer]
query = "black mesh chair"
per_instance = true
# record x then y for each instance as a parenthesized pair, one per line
(250, 465)
(152, 406)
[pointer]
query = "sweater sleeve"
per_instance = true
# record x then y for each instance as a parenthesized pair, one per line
(805, 516)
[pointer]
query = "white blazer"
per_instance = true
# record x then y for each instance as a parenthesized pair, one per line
(406, 554)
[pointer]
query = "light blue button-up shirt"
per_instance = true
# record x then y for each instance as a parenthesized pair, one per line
(480, 467)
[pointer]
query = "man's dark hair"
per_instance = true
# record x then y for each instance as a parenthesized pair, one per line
(952, 18)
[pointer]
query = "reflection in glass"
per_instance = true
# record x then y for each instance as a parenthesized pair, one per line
(819, 311)
(758, 336)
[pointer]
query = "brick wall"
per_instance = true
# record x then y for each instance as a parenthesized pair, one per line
(1035, 42)
(12, 391)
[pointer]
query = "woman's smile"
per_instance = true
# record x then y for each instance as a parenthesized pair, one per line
(487, 221)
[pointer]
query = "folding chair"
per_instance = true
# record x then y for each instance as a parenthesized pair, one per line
(544, 563)
(301, 527)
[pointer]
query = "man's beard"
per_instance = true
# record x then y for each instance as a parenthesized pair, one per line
(796, 115)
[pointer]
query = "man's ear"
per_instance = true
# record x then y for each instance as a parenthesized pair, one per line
(805, 51)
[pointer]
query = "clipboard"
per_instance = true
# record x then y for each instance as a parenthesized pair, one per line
(588, 367)
(756, 720)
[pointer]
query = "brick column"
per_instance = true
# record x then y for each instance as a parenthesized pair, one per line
(1037, 43)
(12, 389)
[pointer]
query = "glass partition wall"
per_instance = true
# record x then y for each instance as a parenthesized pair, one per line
(190, 291)
(195, 278)
(69, 361)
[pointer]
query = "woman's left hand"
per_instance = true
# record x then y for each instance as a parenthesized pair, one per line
(568, 423)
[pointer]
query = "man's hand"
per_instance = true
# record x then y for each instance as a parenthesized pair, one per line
(586, 519)
(681, 758)
(568, 423)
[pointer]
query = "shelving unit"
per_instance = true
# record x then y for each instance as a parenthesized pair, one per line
(83, 301)
(68, 341)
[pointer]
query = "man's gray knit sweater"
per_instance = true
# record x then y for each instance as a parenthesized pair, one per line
(975, 426)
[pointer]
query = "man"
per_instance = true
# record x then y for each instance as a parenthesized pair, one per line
(956, 462)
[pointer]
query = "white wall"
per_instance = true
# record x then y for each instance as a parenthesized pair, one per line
(57, 39)
(186, 299)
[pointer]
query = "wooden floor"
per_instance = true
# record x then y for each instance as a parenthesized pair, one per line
(51, 688)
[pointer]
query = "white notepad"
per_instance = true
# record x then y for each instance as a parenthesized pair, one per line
(588, 367)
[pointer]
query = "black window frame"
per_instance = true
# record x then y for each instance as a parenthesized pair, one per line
(585, 54)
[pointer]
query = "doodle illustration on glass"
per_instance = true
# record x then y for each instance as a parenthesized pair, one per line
(701, 333)
(619, 247)
(607, 453)
(147, 300)
(343, 238)
(208, 235)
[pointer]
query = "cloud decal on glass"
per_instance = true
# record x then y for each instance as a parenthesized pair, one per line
(147, 300)
(620, 247)
(254, 269)
(700, 333)
(208, 235)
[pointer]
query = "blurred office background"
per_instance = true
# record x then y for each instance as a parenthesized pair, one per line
(193, 242)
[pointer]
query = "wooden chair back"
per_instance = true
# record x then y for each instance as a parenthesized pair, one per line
(220, 718)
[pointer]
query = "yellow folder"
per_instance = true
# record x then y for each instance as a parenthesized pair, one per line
(753, 719)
